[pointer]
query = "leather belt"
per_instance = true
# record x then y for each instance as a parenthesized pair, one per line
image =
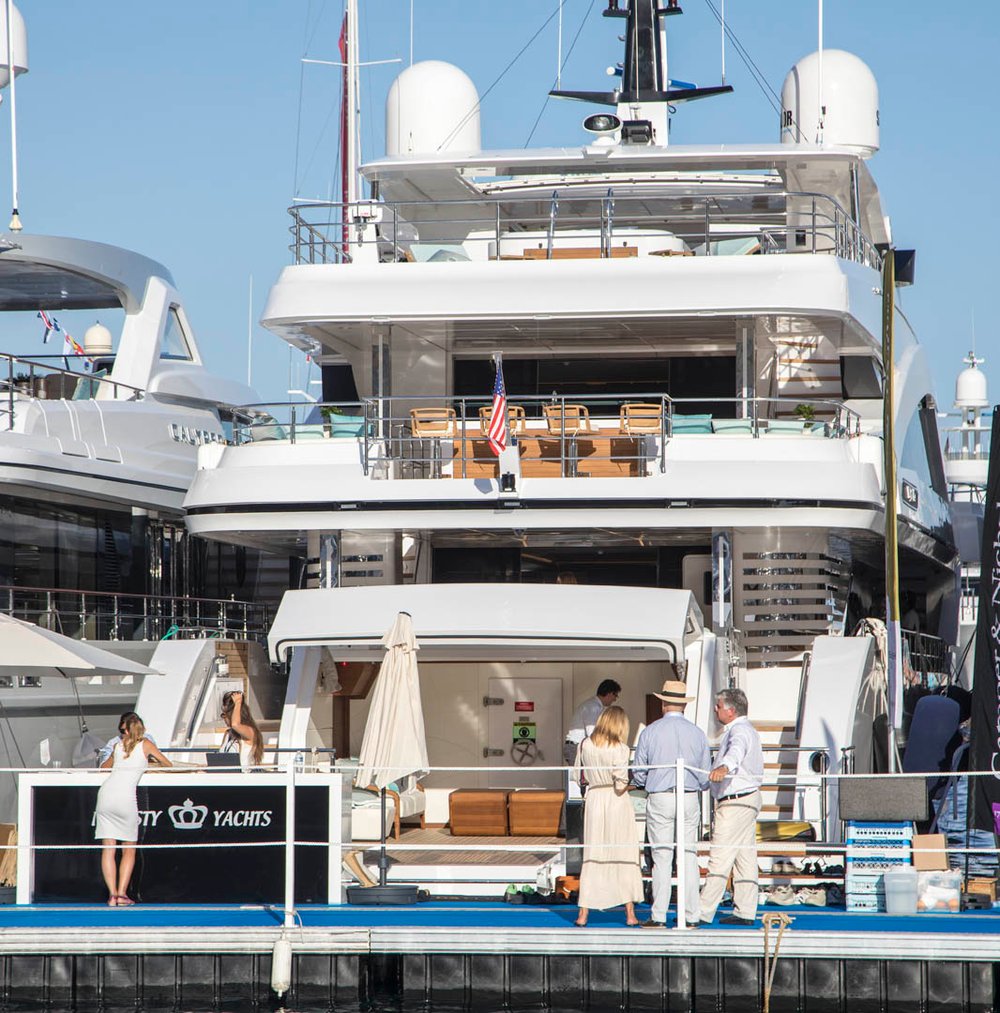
(740, 794)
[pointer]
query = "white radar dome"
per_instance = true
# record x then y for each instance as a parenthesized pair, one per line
(432, 107)
(850, 118)
(20, 47)
(97, 340)
(970, 388)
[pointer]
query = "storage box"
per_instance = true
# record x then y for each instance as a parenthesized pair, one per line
(864, 883)
(901, 891)
(478, 812)
(534, 812)
(866, 902)
(982, 884)
(930, 853)
(939, 891)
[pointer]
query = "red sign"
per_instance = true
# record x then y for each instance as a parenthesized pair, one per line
(524, 705)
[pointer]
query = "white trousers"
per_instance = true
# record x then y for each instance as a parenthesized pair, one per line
(734, 849)
(660, 832)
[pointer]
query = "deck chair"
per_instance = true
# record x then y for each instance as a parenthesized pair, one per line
(567, 419)
(641, 419)
(435, 423)
(515, 419)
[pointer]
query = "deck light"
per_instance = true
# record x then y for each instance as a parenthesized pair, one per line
(602, 123)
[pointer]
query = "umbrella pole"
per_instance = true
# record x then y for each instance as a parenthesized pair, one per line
(383, 862)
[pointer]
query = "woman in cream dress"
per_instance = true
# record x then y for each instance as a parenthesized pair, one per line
(610, 874)
(117, 815)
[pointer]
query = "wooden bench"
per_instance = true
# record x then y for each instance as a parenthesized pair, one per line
(478, 812)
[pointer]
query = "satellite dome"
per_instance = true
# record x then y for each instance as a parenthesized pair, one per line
(20, 47)
(970, 387)
(431, 107)
(97, 340)
(850, 117)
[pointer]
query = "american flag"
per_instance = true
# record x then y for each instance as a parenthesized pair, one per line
(496, 432)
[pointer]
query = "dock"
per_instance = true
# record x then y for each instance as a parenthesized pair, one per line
(497, 954)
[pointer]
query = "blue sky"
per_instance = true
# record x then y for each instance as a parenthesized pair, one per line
(184, 130)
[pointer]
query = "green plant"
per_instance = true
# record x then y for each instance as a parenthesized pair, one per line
(329, 410)
(806, 412)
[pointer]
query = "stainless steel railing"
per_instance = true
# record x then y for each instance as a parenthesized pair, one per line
(101, 615)
(656, 220)
(559, 435)
(32, 378)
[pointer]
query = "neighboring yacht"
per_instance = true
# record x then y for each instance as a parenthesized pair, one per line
(691, 348)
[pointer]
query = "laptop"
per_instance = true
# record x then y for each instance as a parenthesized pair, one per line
(225, 761)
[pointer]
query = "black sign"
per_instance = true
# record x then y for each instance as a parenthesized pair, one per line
(984, 750)
(188, 815)
(910, 495)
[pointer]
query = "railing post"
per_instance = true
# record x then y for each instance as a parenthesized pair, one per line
(679, 849)
(663, 433)
(290, 842)
(708, 245)
(553, 212)
(814, 225)
(292, 434)
(462, 412)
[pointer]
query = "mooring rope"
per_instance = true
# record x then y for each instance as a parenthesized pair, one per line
(782, 921)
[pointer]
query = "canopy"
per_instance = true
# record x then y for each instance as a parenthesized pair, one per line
(394, 744)
(493, 622)
(26, 649)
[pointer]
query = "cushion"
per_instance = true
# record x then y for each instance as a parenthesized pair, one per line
(819, 429)
(787, 427)
(732, 425)
(691, 424)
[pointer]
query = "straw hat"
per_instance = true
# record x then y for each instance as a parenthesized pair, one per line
(674, 692)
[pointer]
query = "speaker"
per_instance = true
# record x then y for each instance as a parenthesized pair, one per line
(894, 799)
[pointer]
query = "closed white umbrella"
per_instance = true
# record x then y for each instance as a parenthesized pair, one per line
(395, 742)
(28, 649)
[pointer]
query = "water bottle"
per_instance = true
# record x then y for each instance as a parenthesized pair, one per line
(300, 762)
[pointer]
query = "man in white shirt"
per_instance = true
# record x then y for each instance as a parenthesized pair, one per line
(585, 717)
(735, 782)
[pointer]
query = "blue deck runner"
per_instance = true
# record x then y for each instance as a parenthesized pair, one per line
(456, 915)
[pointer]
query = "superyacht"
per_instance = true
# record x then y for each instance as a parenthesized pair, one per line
(689, 339)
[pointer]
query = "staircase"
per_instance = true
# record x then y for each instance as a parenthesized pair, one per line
(806, 367)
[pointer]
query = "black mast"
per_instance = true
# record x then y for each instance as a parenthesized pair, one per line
(642, 70)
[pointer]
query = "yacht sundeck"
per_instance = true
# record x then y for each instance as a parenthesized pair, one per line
(691, 346)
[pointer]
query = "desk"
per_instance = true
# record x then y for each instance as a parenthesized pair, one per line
(57, 808)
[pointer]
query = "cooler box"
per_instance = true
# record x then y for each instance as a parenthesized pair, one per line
(478, 812)
(535, 812)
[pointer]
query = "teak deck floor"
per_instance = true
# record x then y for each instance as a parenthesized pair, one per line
(435, 835)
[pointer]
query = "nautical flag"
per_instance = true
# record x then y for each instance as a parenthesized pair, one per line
(51, 324)
(496, 432)
(984, 749)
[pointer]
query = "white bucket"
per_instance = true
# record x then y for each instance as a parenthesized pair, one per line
(901, 892)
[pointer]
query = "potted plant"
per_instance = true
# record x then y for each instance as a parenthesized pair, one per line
(806, 412)
(338, 423)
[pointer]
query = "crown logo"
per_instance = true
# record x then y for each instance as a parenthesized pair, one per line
(188, 816)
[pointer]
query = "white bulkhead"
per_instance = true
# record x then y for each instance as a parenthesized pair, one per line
(849, 116)
(432, 106)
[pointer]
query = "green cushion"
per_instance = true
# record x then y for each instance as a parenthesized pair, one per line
(691, 424)
(732, 425)
(786, 426)
(819, 429)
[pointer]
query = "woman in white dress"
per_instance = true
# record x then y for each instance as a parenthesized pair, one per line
(242, 734)
(610, 875)
(117, 809)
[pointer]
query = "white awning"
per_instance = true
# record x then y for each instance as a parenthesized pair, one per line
(495, 622)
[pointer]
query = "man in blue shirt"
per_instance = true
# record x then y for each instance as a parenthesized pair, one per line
(660, 745)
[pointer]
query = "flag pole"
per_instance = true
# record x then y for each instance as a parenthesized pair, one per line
(894, 640)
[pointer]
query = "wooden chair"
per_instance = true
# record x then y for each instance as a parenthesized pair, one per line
(641, 419)
(515, 419)
(434, 423)
(567, 419)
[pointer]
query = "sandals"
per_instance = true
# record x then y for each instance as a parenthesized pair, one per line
(122, 900)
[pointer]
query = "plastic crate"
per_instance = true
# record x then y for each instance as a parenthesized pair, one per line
(865, 883)
(866, 902)
(858, 833)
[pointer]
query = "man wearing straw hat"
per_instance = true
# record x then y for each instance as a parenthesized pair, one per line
(659, 747)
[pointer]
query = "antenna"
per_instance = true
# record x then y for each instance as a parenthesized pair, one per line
(819, 77)
(12, 71)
